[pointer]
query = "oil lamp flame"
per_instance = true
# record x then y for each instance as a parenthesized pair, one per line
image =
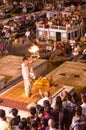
(33, 49)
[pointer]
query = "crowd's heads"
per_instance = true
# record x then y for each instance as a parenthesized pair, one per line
(78, 110)
(2, 113)
(24, 120)
(51, 123)
(41, 110)
(48, 109)
(84, 98)
(44, 122)
(21, 125)
(14, 112)
(46, 103)
(34, 124)
(25, 58)
(69, 97)
(64, 95)
(33, 110)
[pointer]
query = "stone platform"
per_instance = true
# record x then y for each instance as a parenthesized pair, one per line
(70, 74)
(2, 81)
(10, 67)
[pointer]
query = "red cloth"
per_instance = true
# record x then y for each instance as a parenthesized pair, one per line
(1, 46)
(78, 2)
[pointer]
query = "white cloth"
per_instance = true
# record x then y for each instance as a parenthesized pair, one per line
(25, 71)
(40, 102)
(27, 80)
(83, 109)
(27, 34)
(4, 125)
(84, 52)
(75, 52)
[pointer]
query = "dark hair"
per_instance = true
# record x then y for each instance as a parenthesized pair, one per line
(14, 112)
(34, 124)
(46, 103)
(15, 121)
(69, 96)
(45, 122)
(74, 97)
(58, 100)
(78, 112)
(84, 98)
(41, 110)
(78, 109)
(58, 103)
(33, 110)
(21, 125)
(25, 58)
(48, 109)
(24, 120)
(2, 113)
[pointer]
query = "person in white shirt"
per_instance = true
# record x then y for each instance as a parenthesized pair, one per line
(26, 76)
(45, 96)
(72, 42)
(27, 33)
(4, 125)
(76, 51)
(83, 105)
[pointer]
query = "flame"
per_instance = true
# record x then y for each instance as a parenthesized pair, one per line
(33, 49)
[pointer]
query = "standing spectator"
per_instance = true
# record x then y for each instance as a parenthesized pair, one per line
(4, 125)
(15, 116)
(84, 105)
(58, 110)
(45, 96)
(78, 122)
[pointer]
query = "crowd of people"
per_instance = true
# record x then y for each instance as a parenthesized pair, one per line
(67, 112)
(65, 19)
(25, 24)
(10, 31)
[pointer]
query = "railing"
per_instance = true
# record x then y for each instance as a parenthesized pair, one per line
(60, 27)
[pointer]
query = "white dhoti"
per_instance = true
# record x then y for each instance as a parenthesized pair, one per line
(27, 86)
